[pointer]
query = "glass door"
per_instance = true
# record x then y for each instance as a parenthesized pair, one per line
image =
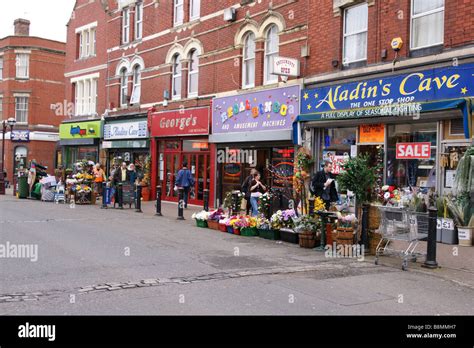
(199, 165)
(171, 168)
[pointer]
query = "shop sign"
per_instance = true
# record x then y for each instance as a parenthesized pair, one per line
(126, 130)
(20, 136)
(273, 109)
(337, 164)
(286, 66)
(400, 95)
(80, 130)
(413, 151)
(180, 122)
(371, 133)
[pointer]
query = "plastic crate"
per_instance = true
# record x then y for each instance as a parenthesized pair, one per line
(289, 236)
(249, 232)
(269, 234)
(201, 223)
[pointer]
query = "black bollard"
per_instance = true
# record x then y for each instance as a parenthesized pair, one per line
(206, 200)
(364, 240)
(138, 199)
(430, 261)
(180, 204)
(104, 196)
(120, 195)
(158, 201)
(235, 203)
(311, 206)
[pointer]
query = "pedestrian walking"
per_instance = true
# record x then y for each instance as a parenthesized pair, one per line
(185, 180)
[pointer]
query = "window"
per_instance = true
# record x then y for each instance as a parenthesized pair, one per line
(427, 23)
(1, 107)
(355, 34)
(21, 109)
(193, 76)
(22, 65)
(86, 96)
(125, 25)
(195, 9)
(136, 91)
(123, 86)
(271, 51)
(249, 61)
(139, 21)
(176, 77)
(178, 12)
(1, 68)
(87, 42)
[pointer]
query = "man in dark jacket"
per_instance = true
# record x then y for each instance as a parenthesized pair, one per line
(323, 185)
(121, 174)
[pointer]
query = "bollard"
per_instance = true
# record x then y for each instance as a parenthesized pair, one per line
(158, 201)
(180, 204)
(206, 200)
(235, 202)
(311, 206)
(430, 261)
(104, 196)
(138, 199)
(364, 240)
(120, 195)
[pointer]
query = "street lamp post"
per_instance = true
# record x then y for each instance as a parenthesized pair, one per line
(5, 123)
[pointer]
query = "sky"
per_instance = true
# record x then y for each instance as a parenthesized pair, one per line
(48, 17)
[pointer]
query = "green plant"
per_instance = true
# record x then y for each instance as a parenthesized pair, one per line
(359, 175)
(306, 223)
(228, 200)
(462, 205)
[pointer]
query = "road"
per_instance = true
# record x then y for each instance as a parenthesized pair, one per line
(118, 262)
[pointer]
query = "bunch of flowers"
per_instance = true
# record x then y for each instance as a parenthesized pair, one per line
(202, 215)
(346, 220)
(264, 202)
(81, 188)
(305, 223)
(390, 195)
(283, 218)
(263, 223)
(228, 200)
(231, 220)
(319, 204)
(217, 215)
(242, 221)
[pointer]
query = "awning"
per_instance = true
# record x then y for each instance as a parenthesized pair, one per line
(465, 105)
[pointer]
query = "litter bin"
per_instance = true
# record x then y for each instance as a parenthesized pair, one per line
(23, 188)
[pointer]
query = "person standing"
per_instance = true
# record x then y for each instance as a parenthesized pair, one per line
(246, 188)
(133, 174)
(323, 185)
(121, 174)
(185, 180)
(257, 189)
(99, 177)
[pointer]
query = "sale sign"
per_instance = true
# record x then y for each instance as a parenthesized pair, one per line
(413, 150)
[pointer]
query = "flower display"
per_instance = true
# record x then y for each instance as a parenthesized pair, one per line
(264, 202)
(217, 215)
(305, 223)
(390, 195)
(81, 188)
(262, 223)
(202, 215)
(283, 218)
(319, 204)
(346, 220)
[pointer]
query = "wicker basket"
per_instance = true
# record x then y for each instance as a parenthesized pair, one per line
(212, 224)
(374, 217)
(374, 239)
(307, 240)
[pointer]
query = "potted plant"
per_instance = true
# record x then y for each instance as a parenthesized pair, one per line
(250, 228)
(345, 228)
(306, 226)
(265, 229)
(201, 218)
(214, 217)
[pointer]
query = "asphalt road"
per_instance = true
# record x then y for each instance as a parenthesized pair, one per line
(93, 261)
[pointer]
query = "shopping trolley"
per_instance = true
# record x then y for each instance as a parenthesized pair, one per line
(404, 225)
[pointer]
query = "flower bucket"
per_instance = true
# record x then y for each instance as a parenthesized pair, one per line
(230, 229)
(249, 232)
(222, 227)
(307, 240)
(269, 234)
(212, 224)
(465, 235)
(201, 223)
(237, 231)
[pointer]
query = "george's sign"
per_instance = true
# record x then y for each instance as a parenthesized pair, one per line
(413, 151)
(180, 122)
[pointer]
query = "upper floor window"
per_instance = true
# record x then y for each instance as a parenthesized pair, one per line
(248, 73)
(136, 91)
(193, 74)
(271, 51)
(123, 87)
(1, 68)
(125, 25)
(177, 73)
(427, 23)
(355, 34)
(87, 42)
(21, 109)
(1, 107)
(178, 12)
(86, 96)
(139, 20)
(22, 65)
(194, 9)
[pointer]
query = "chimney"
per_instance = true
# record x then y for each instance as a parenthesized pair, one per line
(22, 27)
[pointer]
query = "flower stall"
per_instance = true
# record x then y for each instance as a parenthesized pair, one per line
(79, 184)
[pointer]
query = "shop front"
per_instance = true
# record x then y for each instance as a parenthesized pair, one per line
(253, 131)
(182, 137)
(80, 141)
(417, 124)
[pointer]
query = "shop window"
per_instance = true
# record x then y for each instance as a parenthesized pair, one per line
(195, 145)
(416, 172)
(427, 23)
(248, 74)
(193, 74)
(177, 73)
(271, 51)
(172, 145)
(355, 34)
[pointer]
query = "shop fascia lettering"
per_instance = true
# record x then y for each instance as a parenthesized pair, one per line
(118, 131)
(179, 122)
(260, 109)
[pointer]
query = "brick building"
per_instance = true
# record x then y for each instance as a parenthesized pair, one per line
(31, 81)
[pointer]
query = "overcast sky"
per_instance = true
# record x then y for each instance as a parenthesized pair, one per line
(48, 17)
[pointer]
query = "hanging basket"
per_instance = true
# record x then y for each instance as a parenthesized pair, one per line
(307, 240)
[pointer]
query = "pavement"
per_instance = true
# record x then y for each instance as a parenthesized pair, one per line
(116, 262)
